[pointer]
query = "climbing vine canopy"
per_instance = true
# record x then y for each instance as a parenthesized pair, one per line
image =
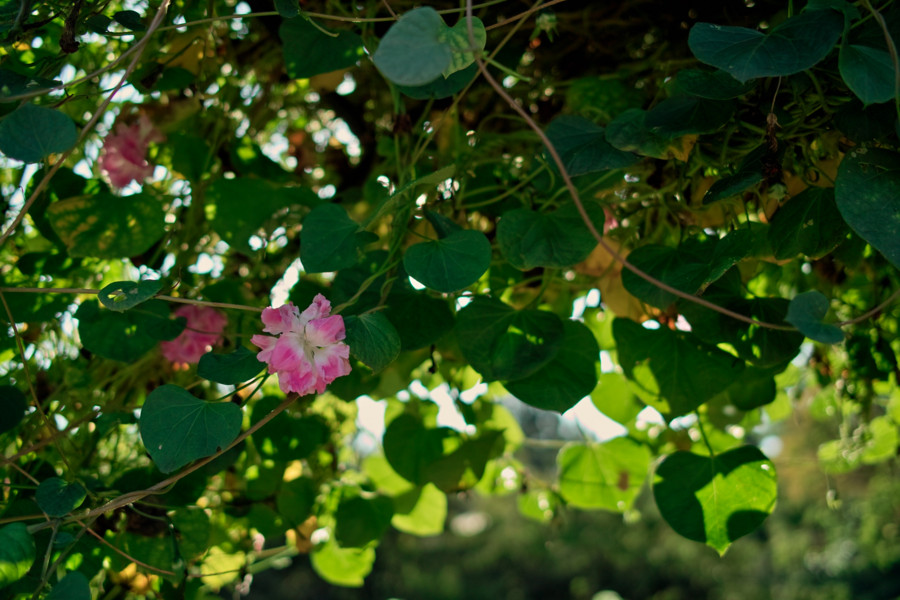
(228, 225)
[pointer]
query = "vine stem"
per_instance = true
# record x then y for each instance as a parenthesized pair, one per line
(576, 198)
(138, 50)
(34, 290)
(164, 485)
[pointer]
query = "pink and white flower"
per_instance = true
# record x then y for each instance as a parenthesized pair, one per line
(123, 158)
(203, 331)
(306, 350)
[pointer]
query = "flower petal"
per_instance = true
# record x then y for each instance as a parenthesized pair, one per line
(320, 308)
(282, 319)
(323, 332)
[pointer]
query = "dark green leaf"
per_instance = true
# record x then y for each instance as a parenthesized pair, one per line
(682, 269)
(867, 192)
(567, 378)
(688, 373)
(229, 369)
(74, 586)
(501, 342)
(713, 85)
(362, 520)
(530, 239)
(411, 448)
(296, 499)
(242, 206)
(868, 72)
(287, 8)
(606, 476)
(412, 52)
(753, 388)
(130, 20)
(125, 336)
(808, 224)
(462, 468)
(675, 117)
(15, 84)
(107, 226)
(372, 340)
(752, 170)
(309, 52)
(12, 407)
(718, 499)
(629, 132)
(32, 133)
(17, 553)
(583, 148)
(57, 498)
(866, 124)
(177, 427)
(286, 437)
(793, 46)
(450, 263)
(420, 320)
(442, 87)
(328, 239)
(98, 23)
(806, 312)
(122, 295)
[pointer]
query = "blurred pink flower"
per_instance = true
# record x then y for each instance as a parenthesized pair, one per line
(307, 353)
(123, 158)
(203, 331)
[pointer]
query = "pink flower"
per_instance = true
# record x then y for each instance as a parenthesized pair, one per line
(123, 158)
(203, 331)
(307, 353)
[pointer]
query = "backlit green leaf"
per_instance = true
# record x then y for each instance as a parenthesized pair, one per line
(177, 427)
(342, 566)
(716, 500)
(462, 51)
(420, 511)
(32, 133)
(606, 476)
(17, 553)
(122, 295)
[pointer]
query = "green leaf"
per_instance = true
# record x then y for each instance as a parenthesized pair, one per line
(607, 476)
(806, 312)
(287, 8)
(286, 437)
(328, 240)
(372, 340)
(309, 52)
(462, 52)
(177, 427)
(130, 20)
(615, 398)
(530, 239)
(718, 499)
(12, 407)
(567, 378)
(867, 192)
(413, 51)
(809, 223)
(362, 520)
(122, 295)
(229, 369)
(295, 500)
(683, 269)
(441, 87)
(420, 511)
(793, 46)
(712, 85)
(583, 148)
(238, 208)
(674, 117)
(107, 226)
(125, 336)
(464, 467)
(32, 133)
(410, 447)
(868, 72)
(450, 263)
(753, 388)
(865, 124)
(419, 319)
(750, 172)
(17, 553)
(629, 132)
(74, 586)
(342, 566)
(57, 498)
(688, 373)
(501, 342)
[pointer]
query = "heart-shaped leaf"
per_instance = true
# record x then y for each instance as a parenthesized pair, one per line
(606, 476)
(372, 340)
(126, 336)
(806, 312)
(229, 369)
(462, 52)
(106, 226)
(809, 224)
(868, 72)
(17, 553)
(674, 117)
(413, 52)
(583, 148)
(567, 378)
(360, 521)
(501, 342)
(58, 498)
(177, 427)
(122, 295)
(682, 269)
(32, 133)
(530, 239)
(867, 192)
(793, 46)
(450, 263)
(718, 499)
(328, 240)
(713, 85)
(309, 51)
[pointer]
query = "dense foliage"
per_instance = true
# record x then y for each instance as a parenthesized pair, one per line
(686, 212)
